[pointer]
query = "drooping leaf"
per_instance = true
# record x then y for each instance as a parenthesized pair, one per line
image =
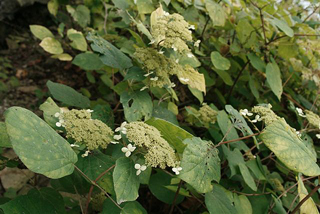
(248, 179)
(308, 207)
(126, 182)
(216, 13)
(225, 76)
(4, 137)
(171, 133)
(219, 61)
(218, 202)
(136, 105)
(51, 45)
(40, 32)
(53, 6)
(256, 62)
(49, 108)
(157, 186)
(289, 148)
(274, 78)
(38, 146)
(111, 55)
(67, 95)
(78, 40)
(88, 61)
(283, 25)
(200, 164)
(45, 200)
(82, 15)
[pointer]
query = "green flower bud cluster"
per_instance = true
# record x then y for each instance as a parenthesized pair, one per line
(83, 129)
(313, 119)
(266, 114)
(207, 115)
(148, 138)
(172, 31)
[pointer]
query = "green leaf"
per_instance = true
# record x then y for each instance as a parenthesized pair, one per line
(133, 207)
(95, 164)
(111, 56)
(242, 204)
(274, 78)
(200, 164)
(45, 200)
(224, 76)
(308, 207)
(78, 40)
(198, 94)
(103, 113)
(126, 182)
(219, 61)
(51, 45)
(157, 186)
(49, 108)
(282, 25)
(171, 133)
(4, 137)
(216, 13)
(218, 201)
(145, 6)
(38, 146)
(88, 61)
(247, 176)
(40, 32)
(289, 148)
(136, 105)
(82, 15)
(53, 6)
(234, 159)
(256, 62)
(165, 114)
(67, 95)
(62, 57)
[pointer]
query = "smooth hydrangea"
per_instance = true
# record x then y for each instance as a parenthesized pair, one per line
(265, 113)
(207, 115)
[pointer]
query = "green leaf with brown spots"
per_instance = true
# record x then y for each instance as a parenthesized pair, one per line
(289, 148)
(38, 146)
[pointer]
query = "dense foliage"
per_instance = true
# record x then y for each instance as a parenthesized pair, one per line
(196, 106)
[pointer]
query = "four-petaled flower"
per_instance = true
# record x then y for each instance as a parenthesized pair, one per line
(128, 149)
(140, 168)
(117, 137)
(300, 112)
(245, 112)
(318, 136)
(122, 128)
(256, 119)
(197, 43)
(177, 170)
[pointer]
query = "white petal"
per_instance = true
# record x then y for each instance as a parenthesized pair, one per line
(177, 172)
(249, 114)
(117, 137)
(318, 136)
(174, 169)
(143, 167)
(179, 168)
(137, 166)
(114, 142)
(128, 153)
(57, 114)
(117, 129)
(124, 149)
(124, 131)
(138, 172)
(58, 124)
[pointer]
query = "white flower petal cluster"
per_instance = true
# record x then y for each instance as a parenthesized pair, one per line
(300, 112)
(197, 43)
(245, 112)
(139, 168)
(177, 170)
(128, 150)
(61, 122)
(256, 119)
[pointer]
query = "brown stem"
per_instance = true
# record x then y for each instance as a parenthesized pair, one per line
(234, 140)
(250, 194)
(315, 9)
(237, 78)
(175, 197)
(305, 198)
(204, 29)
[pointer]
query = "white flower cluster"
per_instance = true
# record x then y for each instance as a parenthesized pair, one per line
(245, 112)
(300, 112)
(122, 129)
(139, 168)
(128, 150)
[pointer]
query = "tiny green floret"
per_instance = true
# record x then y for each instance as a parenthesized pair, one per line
(207, 115)
(148, 138)
(266, 114)
(80, 127)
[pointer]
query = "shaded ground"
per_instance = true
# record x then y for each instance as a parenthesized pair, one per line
(31, 67)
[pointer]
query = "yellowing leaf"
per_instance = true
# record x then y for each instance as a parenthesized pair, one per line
(289, 148)
(78, 40)
(219, 61)
(51, 45)
(216, 13)
(274, 78)
(40, 32)
(308, 207)
(62, 57)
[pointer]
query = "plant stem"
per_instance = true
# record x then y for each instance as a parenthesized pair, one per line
(305, 199)
(175, 197)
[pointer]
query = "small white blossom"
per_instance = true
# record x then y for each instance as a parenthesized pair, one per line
(245, 112)
(140, 168)
(57, 114)
(177, 170)
(122, 129)
(128, 149)
(174, 48)
(190, 55)
(58, 124)
(256, 119)
(318, 136)
(117, 137)
(74, 145)
(143, 88)
(89, 110)
(298, 133)
(300, 112)
(191, 27)
(197, 43)
(85, 154)
(148, 74)
(184, 79)
(154, 78)
(114, 142)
